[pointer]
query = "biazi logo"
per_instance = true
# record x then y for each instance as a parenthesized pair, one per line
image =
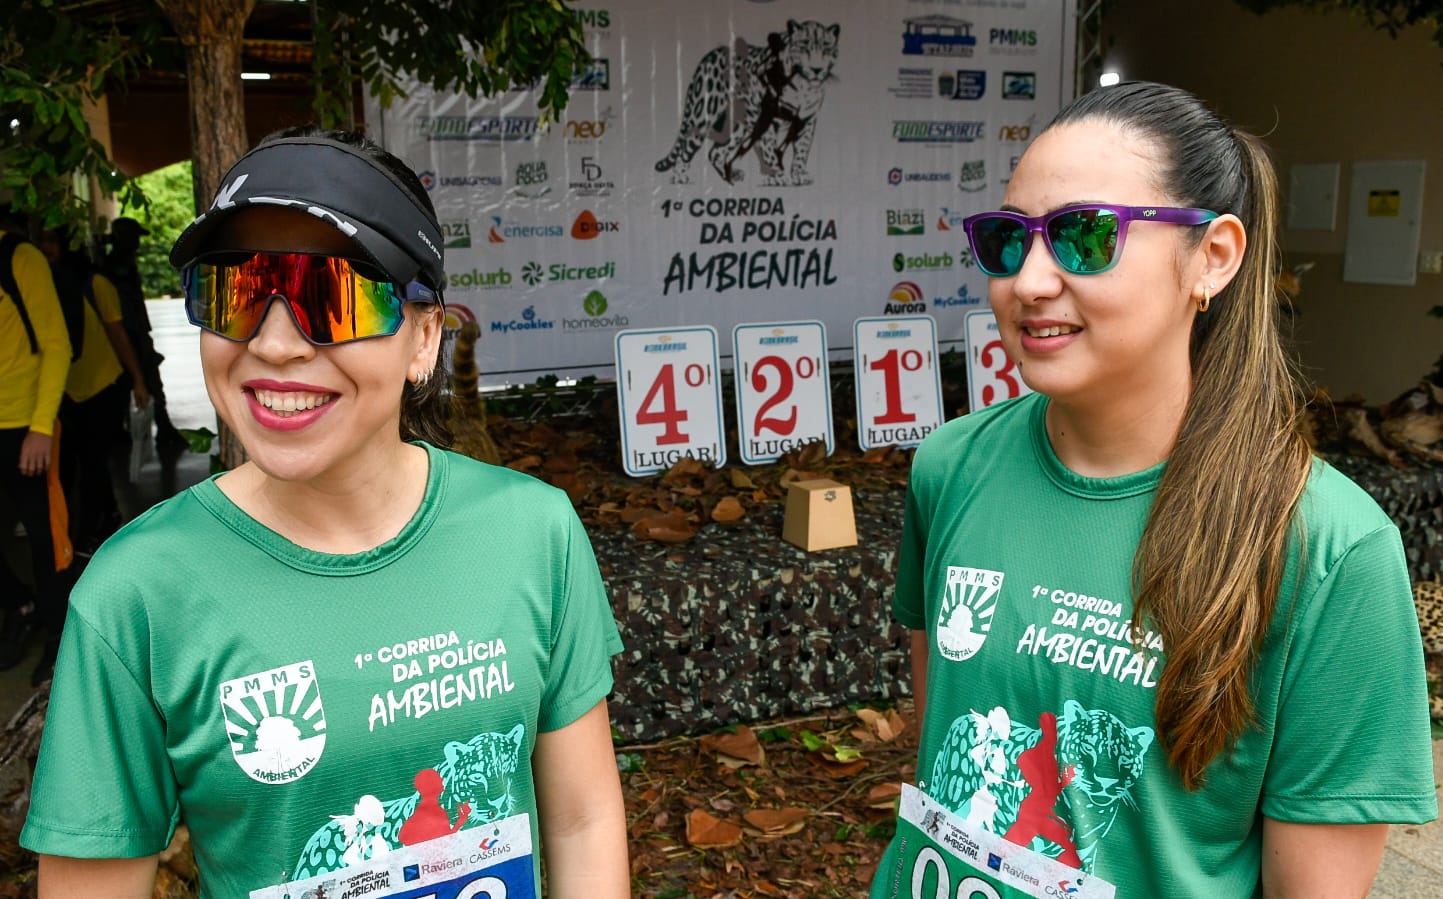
(275, 722)
(905, 221)
(965, 616)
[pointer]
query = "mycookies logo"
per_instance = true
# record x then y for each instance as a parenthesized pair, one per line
(596, 319)
(963, 297)
(527, 322)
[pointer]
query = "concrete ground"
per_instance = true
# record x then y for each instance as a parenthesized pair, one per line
(1412, 863)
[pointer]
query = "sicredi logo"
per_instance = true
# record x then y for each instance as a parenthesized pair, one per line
(905, 222)
(534, 273)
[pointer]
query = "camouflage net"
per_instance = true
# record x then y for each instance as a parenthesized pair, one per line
(1413, 498)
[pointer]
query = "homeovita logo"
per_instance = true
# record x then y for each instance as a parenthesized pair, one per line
(595, 306)
(586, 226)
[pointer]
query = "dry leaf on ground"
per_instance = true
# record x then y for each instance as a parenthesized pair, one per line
(705, 831)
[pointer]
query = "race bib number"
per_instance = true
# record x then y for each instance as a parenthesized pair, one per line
(939, 856)
(492, 861)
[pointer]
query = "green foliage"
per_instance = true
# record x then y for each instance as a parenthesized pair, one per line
(1392, 16)
(171, 207)
(52, 65)
(476, 49)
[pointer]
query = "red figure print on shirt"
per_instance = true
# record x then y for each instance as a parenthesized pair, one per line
(430, 820)
(1037, 816)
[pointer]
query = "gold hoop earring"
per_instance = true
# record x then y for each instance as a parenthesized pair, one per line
(1207, 300)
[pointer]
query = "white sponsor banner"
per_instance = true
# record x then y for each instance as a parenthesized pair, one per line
(668, 393)
(992, 376)
(899, 390)
(485, 860)
(831, 186)
(784, 394)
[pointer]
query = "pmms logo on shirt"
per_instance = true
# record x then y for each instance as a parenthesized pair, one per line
(275, 722)
(965, 616)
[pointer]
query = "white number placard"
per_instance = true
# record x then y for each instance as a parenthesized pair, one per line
(784, 397)
(668, 391)
(899, 394)
(992, 376)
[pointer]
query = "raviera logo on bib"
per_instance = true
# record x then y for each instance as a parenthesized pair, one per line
(965, 616)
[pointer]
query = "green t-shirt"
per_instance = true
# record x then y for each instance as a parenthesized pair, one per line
(1040, 728)
(302, 712)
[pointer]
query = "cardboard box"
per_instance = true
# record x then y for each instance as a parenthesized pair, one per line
(819, 515)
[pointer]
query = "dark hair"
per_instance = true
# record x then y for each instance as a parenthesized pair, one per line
(425, 409)
(1209, 566)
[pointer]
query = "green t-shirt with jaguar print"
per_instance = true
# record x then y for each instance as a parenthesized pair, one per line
(303, 712)
(1039, 735)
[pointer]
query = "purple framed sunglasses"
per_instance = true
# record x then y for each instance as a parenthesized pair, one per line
(1085, 238)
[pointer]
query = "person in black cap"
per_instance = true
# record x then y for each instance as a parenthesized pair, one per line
(356, 652)
(120, 268)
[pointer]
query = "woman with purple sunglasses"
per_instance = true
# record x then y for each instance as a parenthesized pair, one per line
(1159, 649)
(356, 664)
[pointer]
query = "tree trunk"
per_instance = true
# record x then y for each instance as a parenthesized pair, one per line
(212, 32)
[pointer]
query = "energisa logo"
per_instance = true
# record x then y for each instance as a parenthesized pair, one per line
(502, 231)
(596, 319)
(457, 234)
(532, 179)
(950, 219)
(963, 298)
(973, 176)
(527, 322)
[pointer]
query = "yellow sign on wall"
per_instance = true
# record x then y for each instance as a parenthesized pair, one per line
(1387, 203)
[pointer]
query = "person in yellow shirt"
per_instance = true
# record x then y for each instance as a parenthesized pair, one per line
(34, 359)
(94, 409)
